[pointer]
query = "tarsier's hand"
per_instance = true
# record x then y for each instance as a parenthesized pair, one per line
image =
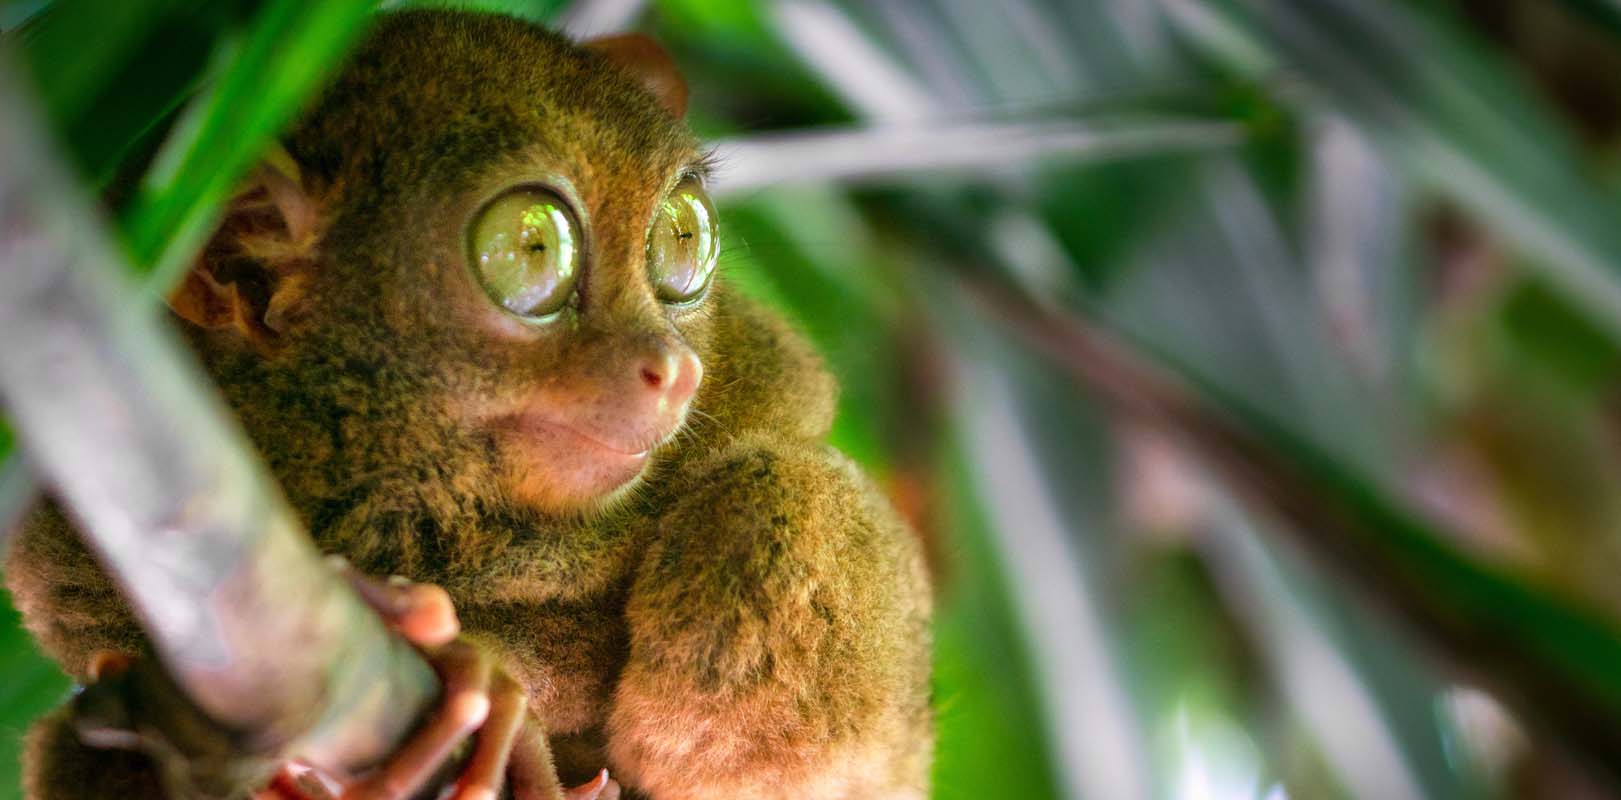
(478, 697)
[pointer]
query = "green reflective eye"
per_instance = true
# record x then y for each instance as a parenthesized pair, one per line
(526, 251)
(683, 244)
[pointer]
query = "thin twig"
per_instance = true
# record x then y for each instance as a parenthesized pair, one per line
(869, 154)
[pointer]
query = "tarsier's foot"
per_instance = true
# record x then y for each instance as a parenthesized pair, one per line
(478, 696)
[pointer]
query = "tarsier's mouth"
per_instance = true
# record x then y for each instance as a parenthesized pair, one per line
(541, 425)
(559, 462)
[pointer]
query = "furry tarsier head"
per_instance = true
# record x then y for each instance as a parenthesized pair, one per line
(472, 300)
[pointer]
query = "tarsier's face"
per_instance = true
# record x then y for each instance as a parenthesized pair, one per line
(622, 376)
(523, 231)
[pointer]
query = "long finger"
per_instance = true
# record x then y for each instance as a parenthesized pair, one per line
(487, 769)
(421, 612)
(465, 672)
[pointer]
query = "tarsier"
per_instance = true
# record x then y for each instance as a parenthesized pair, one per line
(470, 322)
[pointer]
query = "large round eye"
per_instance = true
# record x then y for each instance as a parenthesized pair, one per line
(526, 249)
(683, 244)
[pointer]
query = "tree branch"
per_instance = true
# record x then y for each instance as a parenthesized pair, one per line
(253, 629)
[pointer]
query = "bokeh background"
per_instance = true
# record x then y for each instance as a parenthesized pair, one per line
(1251, 369)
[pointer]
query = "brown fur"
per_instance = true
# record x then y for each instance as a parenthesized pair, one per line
(748, 620)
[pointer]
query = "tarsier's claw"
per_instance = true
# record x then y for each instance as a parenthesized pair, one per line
(297, 782)
(600, 788)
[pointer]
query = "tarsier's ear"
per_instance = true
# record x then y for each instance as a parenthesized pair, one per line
(646, 60)
(252, 275)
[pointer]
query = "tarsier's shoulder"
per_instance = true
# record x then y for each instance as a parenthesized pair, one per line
(763, 374)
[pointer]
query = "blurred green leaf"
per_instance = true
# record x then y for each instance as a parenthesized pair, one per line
(14, 13)
(109, 87)
(32, 686)
(985, 696)
(1458, 117)
(537, 10)
(263, 78)
(1043, 465)
(1368, 702)
(721, 40)
(75, 48)
(1548, 653)
(1099, 212)
(737, 24)
(1528, 637)
(802, 252)
(1188, 660)
(1560, 339)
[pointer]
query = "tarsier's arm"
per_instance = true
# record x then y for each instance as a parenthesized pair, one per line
(73, 611)
(77, 615)
(778, 637)
(67, 603)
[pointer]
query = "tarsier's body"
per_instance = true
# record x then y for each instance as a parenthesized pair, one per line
(734, 614)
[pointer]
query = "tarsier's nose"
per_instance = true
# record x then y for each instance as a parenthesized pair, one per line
(672, 370)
